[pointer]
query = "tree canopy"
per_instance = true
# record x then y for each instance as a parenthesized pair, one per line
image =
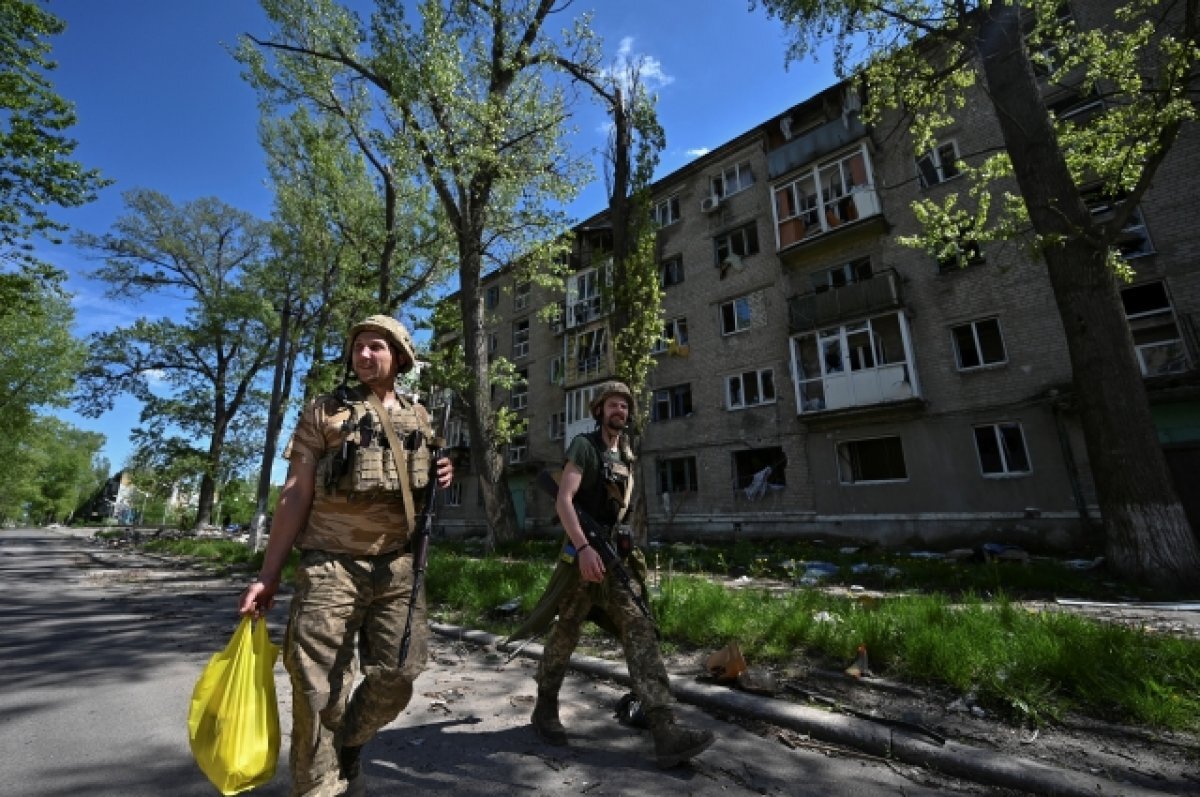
(196, 368)
(36, 166)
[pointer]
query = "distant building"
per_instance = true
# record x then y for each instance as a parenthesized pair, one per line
(818, 379)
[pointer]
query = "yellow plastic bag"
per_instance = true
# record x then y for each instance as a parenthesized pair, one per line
(233, 722)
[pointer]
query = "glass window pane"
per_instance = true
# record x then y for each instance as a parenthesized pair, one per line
(991, 344)
(989, 450)
(1014, 448)
(964, 345)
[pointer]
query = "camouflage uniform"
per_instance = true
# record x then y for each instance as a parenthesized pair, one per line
(353, 587)
(620, 614)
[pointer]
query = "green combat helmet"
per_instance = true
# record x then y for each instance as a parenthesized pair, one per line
(611, 388)
(391, 329)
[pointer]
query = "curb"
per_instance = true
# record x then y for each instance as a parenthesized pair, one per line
(971, 763)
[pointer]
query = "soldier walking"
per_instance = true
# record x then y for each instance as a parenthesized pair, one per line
(598, 479)
(359, 465)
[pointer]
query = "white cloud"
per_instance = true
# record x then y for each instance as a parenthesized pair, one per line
(698, 152)
(649, 68)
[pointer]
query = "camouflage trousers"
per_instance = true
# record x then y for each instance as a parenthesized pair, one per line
(346, 605)
(635, 631)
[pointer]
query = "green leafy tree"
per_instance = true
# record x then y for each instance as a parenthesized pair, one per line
(36, 169)
(49, 471)
(928, 58)
(460, 106)
(196, 376)
(38, 356)
(637, 323)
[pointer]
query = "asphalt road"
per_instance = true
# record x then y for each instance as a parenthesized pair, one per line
(100, 649)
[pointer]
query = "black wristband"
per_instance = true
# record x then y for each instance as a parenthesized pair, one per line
(582, 548)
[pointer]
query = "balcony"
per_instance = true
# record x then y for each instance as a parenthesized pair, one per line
(810, 311)
(864, 364)
(815, 144)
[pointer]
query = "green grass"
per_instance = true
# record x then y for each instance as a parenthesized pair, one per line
(1030, 666)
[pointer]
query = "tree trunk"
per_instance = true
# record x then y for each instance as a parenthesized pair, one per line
(486, 458)
(1147, 536)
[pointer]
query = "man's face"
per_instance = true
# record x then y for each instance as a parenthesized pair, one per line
(615, 413)
(373, 360)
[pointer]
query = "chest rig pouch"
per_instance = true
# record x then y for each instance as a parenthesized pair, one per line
(616, 479)
(381, 453)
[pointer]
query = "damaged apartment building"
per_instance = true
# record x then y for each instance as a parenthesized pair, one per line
(818, 379)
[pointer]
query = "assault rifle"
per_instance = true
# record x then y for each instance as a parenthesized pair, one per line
(597, 537)
(420, 538)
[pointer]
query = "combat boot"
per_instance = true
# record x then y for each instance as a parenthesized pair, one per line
(674, 744)
(350, 764)
(545, 719)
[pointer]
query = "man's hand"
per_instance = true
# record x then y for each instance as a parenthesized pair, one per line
(258, 598)
(591, 564)
(445, 472)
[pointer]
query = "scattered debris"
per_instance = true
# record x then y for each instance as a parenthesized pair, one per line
(758, 681)
(508, 608)
(726, 664)
(1003, 552)
(860, 668)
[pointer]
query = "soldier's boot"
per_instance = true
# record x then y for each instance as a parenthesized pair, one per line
(674, 744)
(350, 764)
(545, 719)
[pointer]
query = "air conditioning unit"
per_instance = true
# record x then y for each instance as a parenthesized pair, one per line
(709, 204)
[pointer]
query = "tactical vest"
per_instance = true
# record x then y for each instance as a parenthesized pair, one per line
(605, 495)
(365, 463)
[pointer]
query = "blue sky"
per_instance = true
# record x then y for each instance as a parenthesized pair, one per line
(161, 105)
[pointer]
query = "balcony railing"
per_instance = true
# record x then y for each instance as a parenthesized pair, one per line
(810, 311)
(817, 143)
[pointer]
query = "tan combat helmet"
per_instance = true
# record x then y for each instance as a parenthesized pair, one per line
(391, 329)
(611, 388)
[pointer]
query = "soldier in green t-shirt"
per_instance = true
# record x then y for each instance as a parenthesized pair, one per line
(598, 479)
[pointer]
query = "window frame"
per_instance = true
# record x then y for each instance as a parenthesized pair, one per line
(732, 304)
(740, 176)
(674, 331)
(677, 399)
(973, 325)
(557, 423)
(491, 297)
(670, 266)
(938, 166)
(521, 294)
(520, 339)
(665, 467)
(841, 460)
(518, 395)
(666, 211)
(741, 241)
(760, 386)
(1007, 471)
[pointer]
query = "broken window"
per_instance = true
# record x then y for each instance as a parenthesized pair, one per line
(826, 279)
(939, 164)
(732, 180)
(1001, 448)
(518, 450)
(757, 469)
(1156, 340)
(671, 402)
(1133, 240)
(877, 459)
(670, 271)
(521, 295)
(730, 247)
(750, 388)
(735, 315)
(978, 344)
(590, 350)
(677, 475)
(675, 334)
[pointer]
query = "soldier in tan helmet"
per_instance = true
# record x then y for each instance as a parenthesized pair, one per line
(359, 465)
(598, 479)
